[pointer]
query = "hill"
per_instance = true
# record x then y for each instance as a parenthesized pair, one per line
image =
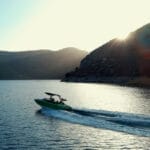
(39, 64)
(117, 61)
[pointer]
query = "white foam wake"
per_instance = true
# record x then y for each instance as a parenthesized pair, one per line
(117, 121)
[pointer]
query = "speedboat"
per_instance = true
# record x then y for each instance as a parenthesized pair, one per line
(52, 103)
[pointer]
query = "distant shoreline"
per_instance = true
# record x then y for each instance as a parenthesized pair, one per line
(143, 82)
(137, 82)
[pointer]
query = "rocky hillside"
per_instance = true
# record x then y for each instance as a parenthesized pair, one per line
(116, 61)
(40, 64)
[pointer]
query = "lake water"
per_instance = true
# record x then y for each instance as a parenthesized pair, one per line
(104, 117)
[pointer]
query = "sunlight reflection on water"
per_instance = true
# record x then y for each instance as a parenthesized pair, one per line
(22, 127)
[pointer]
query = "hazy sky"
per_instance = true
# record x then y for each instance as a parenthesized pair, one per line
(55, 24)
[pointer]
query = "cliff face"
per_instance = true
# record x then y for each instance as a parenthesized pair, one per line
(41, 64)
(116, 61)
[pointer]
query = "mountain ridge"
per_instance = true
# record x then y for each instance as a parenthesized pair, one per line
(117, 61)
(39, 64)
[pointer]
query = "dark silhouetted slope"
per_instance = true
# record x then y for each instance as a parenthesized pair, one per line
(118, 61)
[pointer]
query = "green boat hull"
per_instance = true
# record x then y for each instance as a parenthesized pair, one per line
(44, 103)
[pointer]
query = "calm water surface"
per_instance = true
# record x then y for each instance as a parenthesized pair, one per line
(105, 117)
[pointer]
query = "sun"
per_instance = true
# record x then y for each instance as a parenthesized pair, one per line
(122, 36)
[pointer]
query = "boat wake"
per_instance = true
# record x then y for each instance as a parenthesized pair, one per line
(116, 121)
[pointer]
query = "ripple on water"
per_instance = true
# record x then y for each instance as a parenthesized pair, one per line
(22, 128)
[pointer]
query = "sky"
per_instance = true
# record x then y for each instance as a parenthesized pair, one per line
(56, 24)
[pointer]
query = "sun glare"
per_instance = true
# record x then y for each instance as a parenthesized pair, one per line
(123, 36)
